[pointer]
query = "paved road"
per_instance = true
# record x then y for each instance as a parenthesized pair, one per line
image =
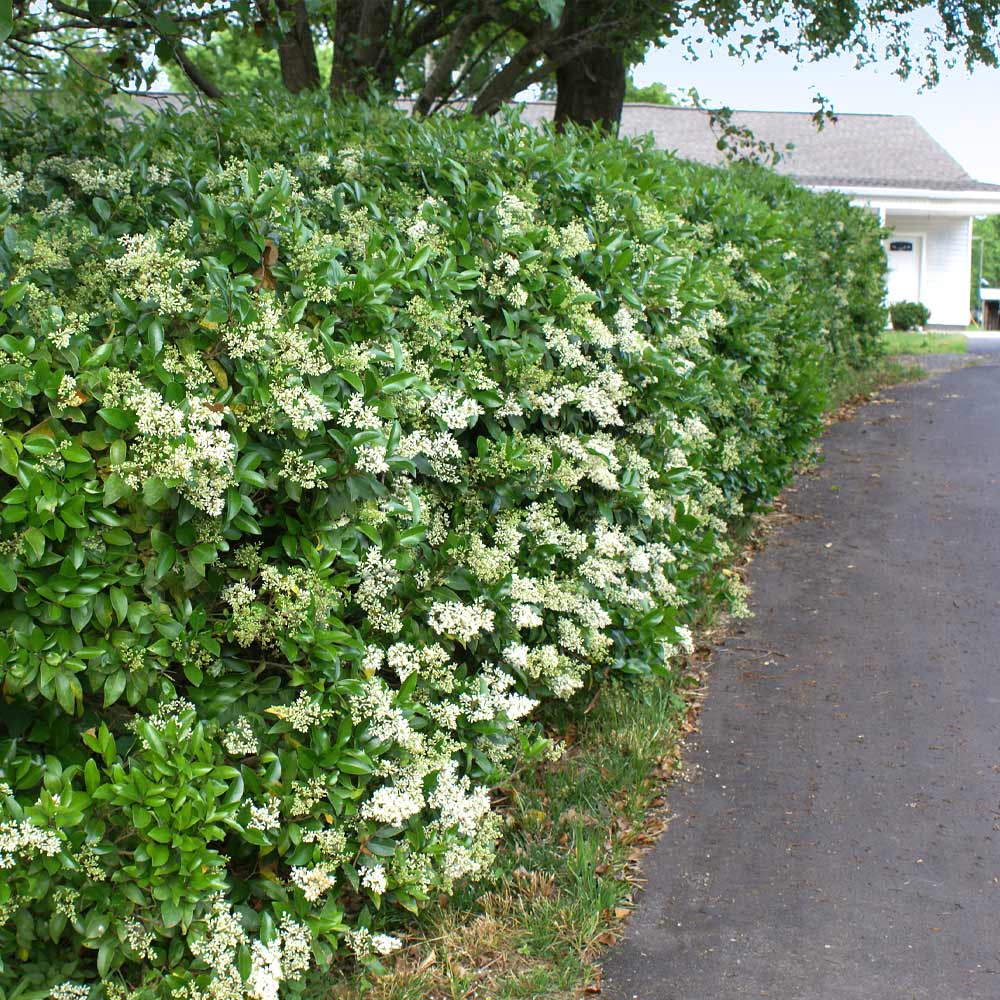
(983, 344)
(840, 837)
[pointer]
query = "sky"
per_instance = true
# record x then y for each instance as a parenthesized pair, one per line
(960, 113)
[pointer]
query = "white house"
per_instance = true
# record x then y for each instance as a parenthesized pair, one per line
(886, 163)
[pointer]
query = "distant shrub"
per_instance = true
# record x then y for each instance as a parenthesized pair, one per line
(334, 443)
(908, 315)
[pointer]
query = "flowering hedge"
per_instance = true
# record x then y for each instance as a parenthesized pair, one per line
(333, 444)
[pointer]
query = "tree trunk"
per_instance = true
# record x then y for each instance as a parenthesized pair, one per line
(360, 55)
(590, 89)
(297, 51)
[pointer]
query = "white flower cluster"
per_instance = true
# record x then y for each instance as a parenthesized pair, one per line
(442, 452)
(91, 174)
(67, 326)
(431, 661)
(22, 839)
(139, 939)
(304, 472)
(491, 699)
(69, 395)
(302, 714)
(271, 340)
(386, 723)
(332, 844)
(304, 409)
(363, 943)
(513, 214)
(265, 818)
(314, 883)
(630, 340)
(378, 579)
(11, 183)
(69, 991)
(218, 943)
(178, 711)
(287, 600)
(393, 805)
(373, 879)
(573, 239)
(459, 804)
(454, 409)
(239, 739)
(152, 272)
(183, 446)
(462, 622)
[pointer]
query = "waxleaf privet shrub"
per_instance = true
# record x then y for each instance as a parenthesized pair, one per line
(333, 445)
(908, 315)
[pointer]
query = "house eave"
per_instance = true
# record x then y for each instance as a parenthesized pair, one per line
(919, 201)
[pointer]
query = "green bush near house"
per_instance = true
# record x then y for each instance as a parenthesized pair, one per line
(908, 315)
(333, 444)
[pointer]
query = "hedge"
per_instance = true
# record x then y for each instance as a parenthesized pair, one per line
(333, 445)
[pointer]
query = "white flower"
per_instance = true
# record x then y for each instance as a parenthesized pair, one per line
(69, 991)
(21, 838)
(314, 882)
(302, 714)
(239, 739)
(463, 621)
(373, 879)
(265, 818)
(393, 804)
(385, 944)
(305, 410)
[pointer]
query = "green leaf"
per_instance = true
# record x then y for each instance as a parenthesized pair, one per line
(119, 601)
(35, 541)
(8, 456)
(8, 578)
(114, 489)
(102, 208)
(105, 954)
(399, 382)
(74, 453)
(114, 686)
(119, 419)
(91, 776)
(6, 19)
(554, 8)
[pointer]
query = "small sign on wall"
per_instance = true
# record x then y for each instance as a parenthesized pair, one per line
(901, 245)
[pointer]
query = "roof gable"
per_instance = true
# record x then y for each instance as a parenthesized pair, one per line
(854, 150)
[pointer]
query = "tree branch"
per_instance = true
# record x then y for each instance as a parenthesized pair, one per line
(446, 63)
(507, 82)
(194, 74)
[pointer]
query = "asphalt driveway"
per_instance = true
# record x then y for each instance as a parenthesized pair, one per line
(839, 837)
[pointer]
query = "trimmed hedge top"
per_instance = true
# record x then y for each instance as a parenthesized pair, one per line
(333, 444)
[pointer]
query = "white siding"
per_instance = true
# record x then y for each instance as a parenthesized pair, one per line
(946, 265)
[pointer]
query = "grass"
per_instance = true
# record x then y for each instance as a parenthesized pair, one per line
(577, 829)
(854, 386)
(898, 342)
(565, 879)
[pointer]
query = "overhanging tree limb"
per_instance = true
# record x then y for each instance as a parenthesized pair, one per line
(445, 67)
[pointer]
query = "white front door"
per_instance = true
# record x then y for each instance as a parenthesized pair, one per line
(905, 253)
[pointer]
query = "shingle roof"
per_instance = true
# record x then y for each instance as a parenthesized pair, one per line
(853, 151)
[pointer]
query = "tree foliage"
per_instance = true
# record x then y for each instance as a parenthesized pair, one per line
(484, 54)
(985, 255)
(652, 93)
